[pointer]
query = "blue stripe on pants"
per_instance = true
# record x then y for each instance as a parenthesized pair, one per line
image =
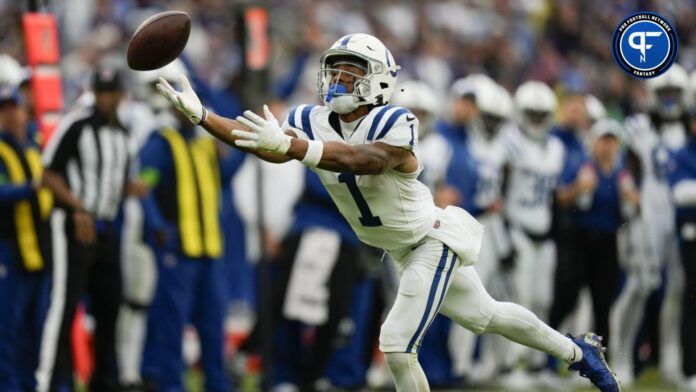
(444, 290)
(431, 297)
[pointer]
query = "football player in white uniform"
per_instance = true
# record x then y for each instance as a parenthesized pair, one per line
(536, 161)
(652, 138)
(364, 152)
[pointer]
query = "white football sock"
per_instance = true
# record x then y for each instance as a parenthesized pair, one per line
(407, 372)
(130, 340)
(522, 326)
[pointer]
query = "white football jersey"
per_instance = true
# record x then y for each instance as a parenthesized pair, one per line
(390, 210)
(534, 170)
(491, 155)
(434, 152)
(653, 148)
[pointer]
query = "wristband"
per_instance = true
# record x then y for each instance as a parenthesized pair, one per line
(204, 115)
(315, 149)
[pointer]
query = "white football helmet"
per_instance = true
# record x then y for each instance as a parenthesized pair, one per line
(669, 95)
(595, 108)
(421, 99)
(495, 107)
(145, 88)
(11, 72)
(374, 88)
(535, 104)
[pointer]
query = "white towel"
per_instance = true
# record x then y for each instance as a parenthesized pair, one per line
(307, 297)
(460, 231)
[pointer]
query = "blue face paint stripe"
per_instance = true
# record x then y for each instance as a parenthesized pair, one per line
(306, 125)
(291, 117)
(375, 122)
(442, 293)
(390, 122)
(431, 298)
(346, 39)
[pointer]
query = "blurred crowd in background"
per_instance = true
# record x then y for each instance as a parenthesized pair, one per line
(562, 43)
(254, 265)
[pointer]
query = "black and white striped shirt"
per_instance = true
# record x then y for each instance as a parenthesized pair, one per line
(92, 157)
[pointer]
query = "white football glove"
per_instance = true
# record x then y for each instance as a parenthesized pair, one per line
(186, 101)
(264, 134)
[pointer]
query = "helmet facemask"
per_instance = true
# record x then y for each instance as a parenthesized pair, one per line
(491, 124)
(536, 123)
(333, 92)
(670, 102)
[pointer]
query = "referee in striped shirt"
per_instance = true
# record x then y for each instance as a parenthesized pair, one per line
(86, 164)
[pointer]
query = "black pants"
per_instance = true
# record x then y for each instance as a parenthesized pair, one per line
(95, 270)
(588, 258)
(310, 364)
(688, 327)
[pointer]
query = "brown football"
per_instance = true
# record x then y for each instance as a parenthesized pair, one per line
(158, 40)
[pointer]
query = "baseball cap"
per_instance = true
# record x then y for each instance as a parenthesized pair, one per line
(107, 79)
(607, 127)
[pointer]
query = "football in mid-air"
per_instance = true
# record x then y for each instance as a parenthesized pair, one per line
(158, 40)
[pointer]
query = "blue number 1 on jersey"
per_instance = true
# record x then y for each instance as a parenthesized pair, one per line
(366, 218)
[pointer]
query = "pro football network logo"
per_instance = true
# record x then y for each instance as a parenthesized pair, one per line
(645, 45)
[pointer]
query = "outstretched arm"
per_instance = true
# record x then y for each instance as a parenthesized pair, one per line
(220, 127)
(264, 138)
(266, 134)
(359, 159)
(188, 103)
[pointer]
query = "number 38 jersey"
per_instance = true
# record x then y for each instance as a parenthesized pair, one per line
(391, 210)
(535, 168)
